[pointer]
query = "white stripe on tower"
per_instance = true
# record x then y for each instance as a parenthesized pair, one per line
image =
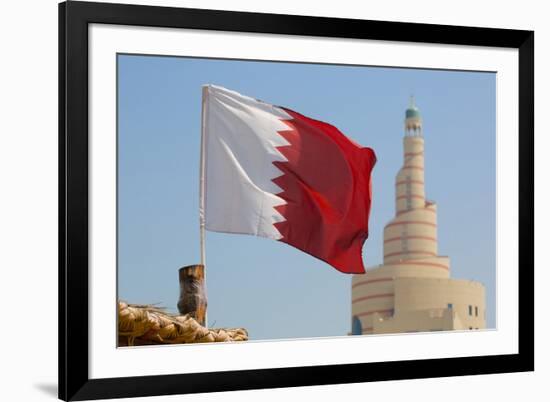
(241, 142)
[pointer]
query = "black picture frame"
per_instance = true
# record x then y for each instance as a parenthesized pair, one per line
(74, 18)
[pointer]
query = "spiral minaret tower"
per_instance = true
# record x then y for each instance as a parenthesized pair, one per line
(412, 234)
(412, 289)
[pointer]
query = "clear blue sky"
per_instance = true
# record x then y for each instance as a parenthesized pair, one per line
(268, 287)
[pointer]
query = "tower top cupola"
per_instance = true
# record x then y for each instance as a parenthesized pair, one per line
(413, 120)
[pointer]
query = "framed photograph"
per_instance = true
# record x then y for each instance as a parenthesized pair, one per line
(259, 201)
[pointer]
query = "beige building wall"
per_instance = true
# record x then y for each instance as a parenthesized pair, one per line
(375, 291)
(416, 321)
(465, 299)
(412, 290)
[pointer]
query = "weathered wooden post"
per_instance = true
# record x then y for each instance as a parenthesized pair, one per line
(192, 299)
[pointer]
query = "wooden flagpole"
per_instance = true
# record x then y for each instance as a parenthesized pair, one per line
(192, 278)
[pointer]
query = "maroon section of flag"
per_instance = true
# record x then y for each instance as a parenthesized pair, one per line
(326, 185)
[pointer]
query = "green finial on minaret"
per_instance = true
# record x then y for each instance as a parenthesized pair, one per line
(413, 120)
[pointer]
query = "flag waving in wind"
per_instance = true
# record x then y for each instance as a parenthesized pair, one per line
(272, 172)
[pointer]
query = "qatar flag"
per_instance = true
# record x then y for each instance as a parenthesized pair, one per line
(270, 171)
